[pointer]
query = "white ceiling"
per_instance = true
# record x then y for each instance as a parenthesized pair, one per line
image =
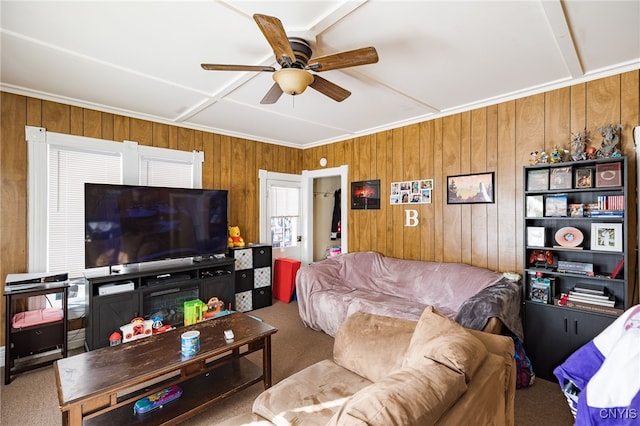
(142, 59)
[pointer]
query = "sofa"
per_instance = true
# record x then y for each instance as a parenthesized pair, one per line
(331, 290)
(391, 371)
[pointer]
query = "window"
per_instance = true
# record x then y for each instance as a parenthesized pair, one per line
(284, 204)
(60, 164)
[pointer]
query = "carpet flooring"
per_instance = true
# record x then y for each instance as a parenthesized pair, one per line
(31, 399)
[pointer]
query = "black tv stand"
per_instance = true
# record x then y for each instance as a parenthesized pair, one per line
(115, 297)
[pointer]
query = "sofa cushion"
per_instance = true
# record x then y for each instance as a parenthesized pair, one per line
(372, 345)
(309, 397)
(407, 397)
(440, 339)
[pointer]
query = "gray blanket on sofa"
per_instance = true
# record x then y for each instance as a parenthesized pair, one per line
(501, 300)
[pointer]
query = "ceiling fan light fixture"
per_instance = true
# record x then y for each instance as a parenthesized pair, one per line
(293, 81)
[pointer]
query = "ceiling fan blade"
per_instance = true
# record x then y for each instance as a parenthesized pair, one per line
(273, 31)
(221, 67)
(272, 95)
(352, 58)
(329, 89)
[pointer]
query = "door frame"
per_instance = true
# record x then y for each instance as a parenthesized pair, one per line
(307, 208)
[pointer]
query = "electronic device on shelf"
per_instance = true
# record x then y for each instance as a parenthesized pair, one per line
(115, 288)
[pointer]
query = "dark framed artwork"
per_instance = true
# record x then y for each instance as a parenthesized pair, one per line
(471, 189)
(365, 195)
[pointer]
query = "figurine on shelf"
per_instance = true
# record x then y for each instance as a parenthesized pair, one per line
(611, 135)
(557, 154)
(544, 157)
(533, 158)
(579, 142)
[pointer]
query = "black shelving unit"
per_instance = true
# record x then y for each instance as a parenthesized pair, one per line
(175, 279)
(558, 246)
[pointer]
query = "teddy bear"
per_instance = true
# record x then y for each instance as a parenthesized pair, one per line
(235, 240)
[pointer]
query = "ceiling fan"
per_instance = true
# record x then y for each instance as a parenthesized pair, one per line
(294, 56)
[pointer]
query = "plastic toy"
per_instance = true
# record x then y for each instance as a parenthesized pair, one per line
(115, 339)
(157, 400)
(541, 258)
(235, 240)
(193, 310)
(159, 327)
(136, 329)
(214, 307)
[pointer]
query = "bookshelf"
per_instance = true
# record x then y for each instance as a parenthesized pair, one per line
(576, 263)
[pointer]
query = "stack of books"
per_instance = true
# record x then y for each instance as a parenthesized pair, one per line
(590, 299)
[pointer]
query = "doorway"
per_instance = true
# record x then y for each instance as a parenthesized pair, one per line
(318, 223)
(304, 249)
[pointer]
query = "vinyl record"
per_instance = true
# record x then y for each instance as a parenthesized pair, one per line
(569, 237)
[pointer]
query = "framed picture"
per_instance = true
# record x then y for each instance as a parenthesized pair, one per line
(365, 195)
(608, 174)
(470, 189)
(535, 236)
(560, 178)
(584, 177)
(555, 205)
(606, 236)
(538, 180)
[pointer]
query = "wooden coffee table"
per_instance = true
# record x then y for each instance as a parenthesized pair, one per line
(101, 386)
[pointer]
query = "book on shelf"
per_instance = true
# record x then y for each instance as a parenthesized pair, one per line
(593, 299)
(610, 202)
(560, 177)
(535, 205)
(538, 180)
(562, 301)
(556, 205)
(607, 213)
(541, 289)
(576, 210)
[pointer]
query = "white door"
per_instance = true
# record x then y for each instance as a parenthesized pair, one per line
(281, 213)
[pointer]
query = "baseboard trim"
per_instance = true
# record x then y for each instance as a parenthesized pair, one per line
(75, 340)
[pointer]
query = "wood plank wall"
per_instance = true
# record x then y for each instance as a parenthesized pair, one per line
(495, 138)
(229, 163)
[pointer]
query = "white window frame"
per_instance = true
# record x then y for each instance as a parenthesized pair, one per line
(39, 142)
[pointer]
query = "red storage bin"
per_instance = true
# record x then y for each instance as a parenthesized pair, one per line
(284, 278)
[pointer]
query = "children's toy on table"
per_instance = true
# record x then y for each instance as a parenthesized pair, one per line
(136, 329)
(214, 307)
(158, 325)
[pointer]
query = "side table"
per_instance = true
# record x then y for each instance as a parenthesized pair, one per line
(37, 338)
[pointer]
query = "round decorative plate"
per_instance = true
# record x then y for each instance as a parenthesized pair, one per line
(569, 237)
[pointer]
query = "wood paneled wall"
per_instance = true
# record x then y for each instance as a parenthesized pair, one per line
(495, 138)
(229, 163)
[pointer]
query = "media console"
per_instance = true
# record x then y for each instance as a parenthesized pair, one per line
(149, 290)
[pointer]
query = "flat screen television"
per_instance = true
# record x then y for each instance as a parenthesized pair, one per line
(127, 224)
